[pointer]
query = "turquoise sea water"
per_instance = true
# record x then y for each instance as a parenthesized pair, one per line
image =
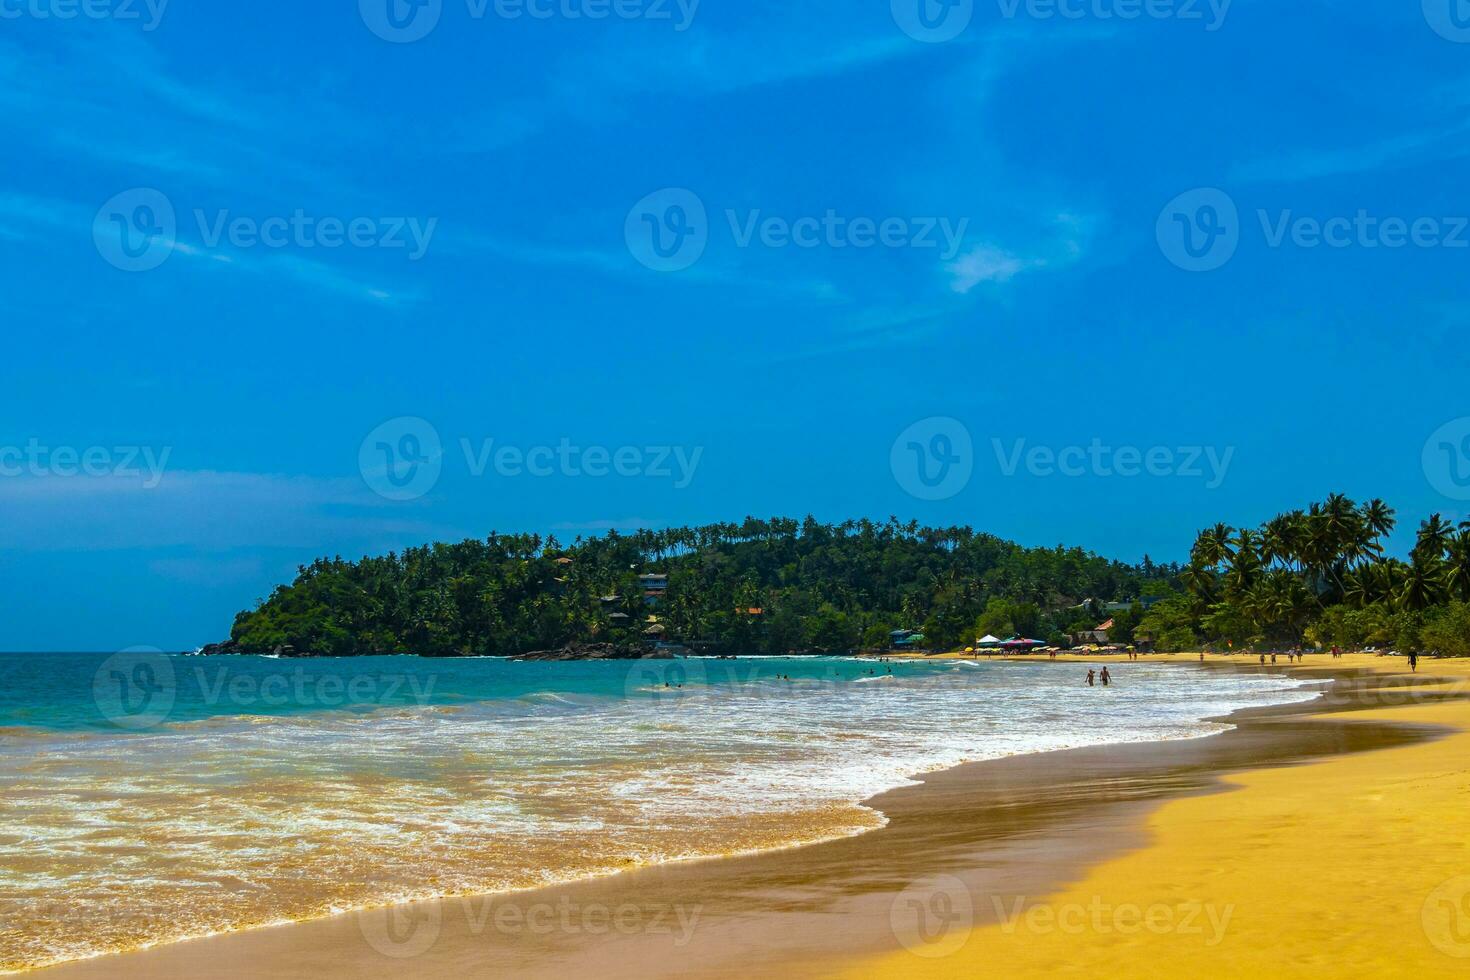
(142, 689)
(146, 798)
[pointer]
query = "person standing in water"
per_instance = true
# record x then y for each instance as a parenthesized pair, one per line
(1091, 676)
(1106, 677)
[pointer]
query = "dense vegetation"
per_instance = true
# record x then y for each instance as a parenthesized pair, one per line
(764, 586)
(1318, 576)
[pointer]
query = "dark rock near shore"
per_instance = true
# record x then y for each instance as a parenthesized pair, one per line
(598, 651)
(229, 647)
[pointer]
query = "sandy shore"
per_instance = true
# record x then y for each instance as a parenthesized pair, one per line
(1317, 839)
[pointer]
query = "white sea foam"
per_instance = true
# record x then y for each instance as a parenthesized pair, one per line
(237, 821)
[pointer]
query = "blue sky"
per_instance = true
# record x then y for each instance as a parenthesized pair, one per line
(764, 376)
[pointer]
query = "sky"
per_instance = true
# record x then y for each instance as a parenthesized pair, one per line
(285, 280)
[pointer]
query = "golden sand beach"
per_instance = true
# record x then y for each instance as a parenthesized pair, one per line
(1319, 839)
(1357, 865)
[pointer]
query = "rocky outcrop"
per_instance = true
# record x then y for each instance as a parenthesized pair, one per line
(598, 651)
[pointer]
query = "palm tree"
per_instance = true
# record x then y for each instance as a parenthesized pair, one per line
(1212, 546)
(1423, 586)
(1357, 588)
(1433, 538)
(1457, 568)
(1245, 563)
(1378, 517)
(1200, 581)
(1279, 540)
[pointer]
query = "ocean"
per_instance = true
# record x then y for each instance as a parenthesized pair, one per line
(147, 798)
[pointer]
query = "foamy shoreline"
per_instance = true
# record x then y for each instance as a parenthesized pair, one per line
(859, 819)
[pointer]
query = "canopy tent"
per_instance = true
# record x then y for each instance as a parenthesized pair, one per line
(988, 641)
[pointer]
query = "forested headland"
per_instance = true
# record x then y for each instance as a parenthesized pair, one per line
(1315, 576)
(762, 586)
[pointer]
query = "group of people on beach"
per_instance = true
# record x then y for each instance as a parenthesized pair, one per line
(1093, 677)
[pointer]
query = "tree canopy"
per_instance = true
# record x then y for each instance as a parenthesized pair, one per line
(761, 586)
(1321, 575)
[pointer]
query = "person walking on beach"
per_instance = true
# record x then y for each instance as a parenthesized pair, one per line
(1091, 677)
(1414, 662)
(1106, 677)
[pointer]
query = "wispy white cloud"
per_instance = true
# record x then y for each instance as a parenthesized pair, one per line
(873, 330)
(630, 69)
(987, 262)
(52, 216)
(1409, 149)
(616, 262)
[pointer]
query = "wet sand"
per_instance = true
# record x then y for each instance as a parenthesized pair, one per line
(962, 852)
